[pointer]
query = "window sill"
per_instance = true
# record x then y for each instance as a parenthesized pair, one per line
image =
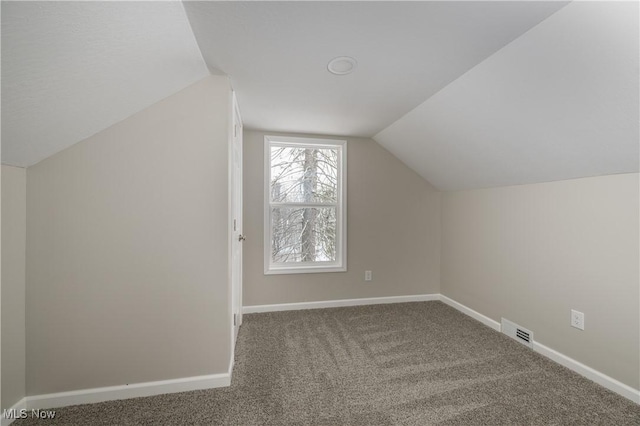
(304, 270)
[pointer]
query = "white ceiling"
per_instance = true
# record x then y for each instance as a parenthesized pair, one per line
(468, 94)
(71, 69)
(276, 54)
(559, 102)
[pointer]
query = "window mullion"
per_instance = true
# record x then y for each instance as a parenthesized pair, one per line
(303, 205)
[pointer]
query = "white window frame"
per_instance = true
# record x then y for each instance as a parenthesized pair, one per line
(340, 265)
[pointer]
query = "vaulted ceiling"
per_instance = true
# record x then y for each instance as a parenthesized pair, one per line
(559, 102)
(277, 54)
(72, 69)
(468, 94)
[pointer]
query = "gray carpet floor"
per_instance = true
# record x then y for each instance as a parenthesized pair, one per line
(400, 364)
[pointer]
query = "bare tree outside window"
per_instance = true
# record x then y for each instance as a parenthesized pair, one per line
(304, 202)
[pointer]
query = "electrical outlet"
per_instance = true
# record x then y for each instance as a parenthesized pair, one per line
(367, 276)
(577, 319)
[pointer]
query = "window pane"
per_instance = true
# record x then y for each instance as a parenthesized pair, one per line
(304, 175)
(303, 234)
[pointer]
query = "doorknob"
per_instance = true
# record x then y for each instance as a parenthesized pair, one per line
(241, 237)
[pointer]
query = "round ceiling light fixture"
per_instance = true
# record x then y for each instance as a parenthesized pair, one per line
(342, 65)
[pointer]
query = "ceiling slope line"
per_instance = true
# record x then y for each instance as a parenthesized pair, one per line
(558, 103)
(471, 69)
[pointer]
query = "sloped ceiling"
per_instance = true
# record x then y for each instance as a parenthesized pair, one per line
(72, 69)
(276, 55)
(468, 94)
(559, 102)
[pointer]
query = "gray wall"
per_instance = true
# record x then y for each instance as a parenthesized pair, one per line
(393, 229)
(127, 249)
(532, 253)
(14, 185)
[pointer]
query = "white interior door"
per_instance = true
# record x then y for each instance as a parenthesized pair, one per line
(236, 212)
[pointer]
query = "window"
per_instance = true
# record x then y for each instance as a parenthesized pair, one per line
(305, 205)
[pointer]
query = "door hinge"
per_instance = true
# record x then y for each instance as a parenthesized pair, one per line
(234, 224)
(234, 320)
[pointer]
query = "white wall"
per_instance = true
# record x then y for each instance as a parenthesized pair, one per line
(532, 253)
(127, 257)
(14, 185)
(393, 229)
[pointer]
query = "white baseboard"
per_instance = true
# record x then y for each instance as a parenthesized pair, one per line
(20, 405)
(110, 393)
(470, 312)
(576, 366)
(338, 303)
(588, 372)
(135, 390)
